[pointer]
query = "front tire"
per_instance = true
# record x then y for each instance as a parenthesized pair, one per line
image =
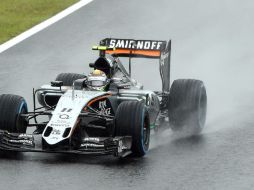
(187, 106)
(132, 119)
(11, 108)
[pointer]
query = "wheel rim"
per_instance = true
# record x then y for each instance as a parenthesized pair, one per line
(21, 123)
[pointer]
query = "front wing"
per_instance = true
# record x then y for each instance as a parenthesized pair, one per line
(21, 142)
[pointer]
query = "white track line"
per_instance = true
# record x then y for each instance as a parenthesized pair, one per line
(43, 25)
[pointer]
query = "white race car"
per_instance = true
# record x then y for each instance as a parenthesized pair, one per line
(112, 116)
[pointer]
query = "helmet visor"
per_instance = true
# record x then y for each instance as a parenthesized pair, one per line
(96, 83)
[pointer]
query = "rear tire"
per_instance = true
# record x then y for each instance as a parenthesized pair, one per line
(69, 78)
(187, 106)
(11, 106)
(132, 119)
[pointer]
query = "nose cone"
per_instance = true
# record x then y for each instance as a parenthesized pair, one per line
(53, 135)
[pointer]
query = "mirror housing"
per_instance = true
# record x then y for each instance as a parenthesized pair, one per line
(91, 65)
(56, 83)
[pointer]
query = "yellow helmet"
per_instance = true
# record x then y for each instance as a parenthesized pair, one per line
(97, 72)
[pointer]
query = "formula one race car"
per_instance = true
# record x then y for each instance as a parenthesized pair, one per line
(105, 112)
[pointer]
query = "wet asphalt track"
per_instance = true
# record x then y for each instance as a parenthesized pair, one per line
(212, 41)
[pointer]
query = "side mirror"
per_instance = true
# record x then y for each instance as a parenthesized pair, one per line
(91, 65)
(56, 83)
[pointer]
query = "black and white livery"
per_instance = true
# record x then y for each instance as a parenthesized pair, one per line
(75, 117)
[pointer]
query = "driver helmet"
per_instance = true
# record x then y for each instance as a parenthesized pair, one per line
(97, 80)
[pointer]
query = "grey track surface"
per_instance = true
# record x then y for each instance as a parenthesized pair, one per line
(212, 41)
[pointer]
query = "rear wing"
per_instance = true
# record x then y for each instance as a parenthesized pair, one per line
(153, 49)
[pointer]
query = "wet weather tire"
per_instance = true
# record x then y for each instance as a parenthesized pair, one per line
(69, 78)
(11, 106)
(132, 119)
(187, 106)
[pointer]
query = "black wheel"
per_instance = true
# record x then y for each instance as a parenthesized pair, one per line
(132, 119)
(187, 106)
(69, 78)
(11, 106)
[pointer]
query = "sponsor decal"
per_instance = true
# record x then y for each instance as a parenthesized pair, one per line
(54, 138)
(103, 110)
(135, 44)
(25, 136)
(59, 125)
(24, 142)
(120, 146)
(92, 139)
(64, 116)
(89, 145)
(164, 56)
(66, 110)
(61, 121)
(56, 132)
